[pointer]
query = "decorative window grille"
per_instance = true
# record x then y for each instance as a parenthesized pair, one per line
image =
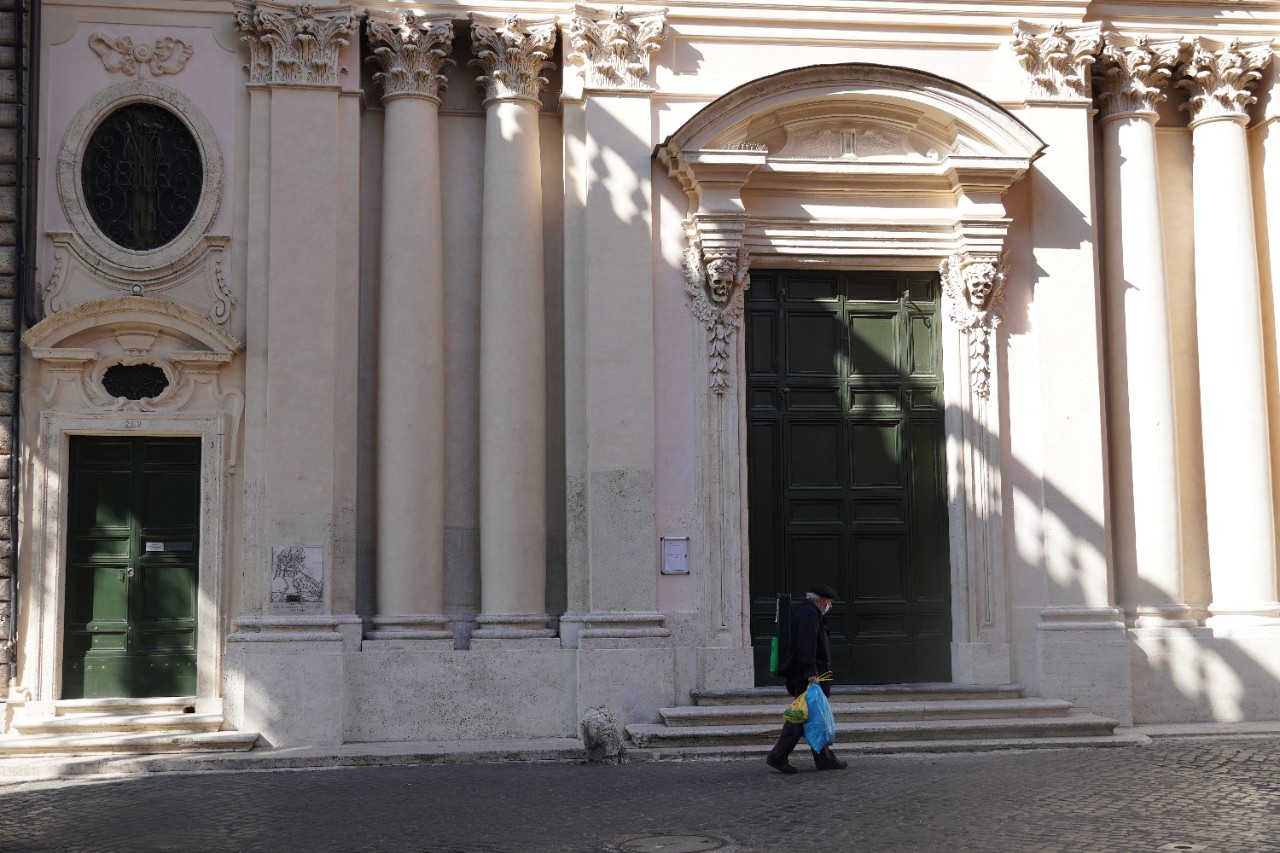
(142, 176)
(135, 381)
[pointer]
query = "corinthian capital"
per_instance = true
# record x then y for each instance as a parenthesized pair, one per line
(294, 43)
(1134, 73)
(1218, 79)
(511, 55)
(974, 290)
(1056, 58)
(613, 52)
(411, 51)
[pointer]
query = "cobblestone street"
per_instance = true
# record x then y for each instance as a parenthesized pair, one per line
(1195, 795)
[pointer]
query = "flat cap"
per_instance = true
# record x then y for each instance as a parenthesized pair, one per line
(823, 591)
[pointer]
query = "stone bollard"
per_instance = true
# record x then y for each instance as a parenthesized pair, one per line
(602, 736)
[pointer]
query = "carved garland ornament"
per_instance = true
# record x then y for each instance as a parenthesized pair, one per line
(412, 53)
(1135, 72)
(294, 44)
(716, 283)
(1219, 80)
(167, 56)
(615, 53)
(974, 288)
(1056, 59)
(511, 56)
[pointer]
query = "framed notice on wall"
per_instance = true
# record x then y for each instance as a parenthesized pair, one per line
(297, 579)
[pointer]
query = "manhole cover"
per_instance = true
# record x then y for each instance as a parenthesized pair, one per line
(675, 844)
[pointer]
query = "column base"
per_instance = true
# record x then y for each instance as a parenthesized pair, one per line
(1080, 618)
(613, 625)
(1161, 616)
(1243, 614)
(505, 627)
(415, 626)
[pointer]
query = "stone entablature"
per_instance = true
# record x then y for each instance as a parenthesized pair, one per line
(294, 44)
(511, 55)
(411, 51)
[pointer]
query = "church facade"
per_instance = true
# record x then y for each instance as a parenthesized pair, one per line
(433, 372)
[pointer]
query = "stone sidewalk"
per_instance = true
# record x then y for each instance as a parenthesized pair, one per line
(1193, 794)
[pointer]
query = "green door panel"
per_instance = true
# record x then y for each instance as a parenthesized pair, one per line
(132, 575)
(846, 478)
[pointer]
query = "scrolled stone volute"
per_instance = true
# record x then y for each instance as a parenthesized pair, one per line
(294, 44)
(1219, 79)
(1057, 58)
(614, 53)
(411, 52)
(1133, 73)
(511, 56)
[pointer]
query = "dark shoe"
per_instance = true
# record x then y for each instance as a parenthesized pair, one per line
(783, 766)
(826, 760)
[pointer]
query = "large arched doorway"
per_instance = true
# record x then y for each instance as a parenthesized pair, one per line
(857, 183)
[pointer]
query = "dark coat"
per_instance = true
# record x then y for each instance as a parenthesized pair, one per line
(810, 648)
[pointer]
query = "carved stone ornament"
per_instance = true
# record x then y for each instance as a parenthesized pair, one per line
(166, 56)
(1218, 79)
(1057, 58)
(974, 288)
(614, 53)
(511, 55)
(294, 43)
(1135, 73)
(716, 283)
(412, 53)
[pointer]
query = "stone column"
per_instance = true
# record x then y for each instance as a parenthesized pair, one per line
(1146, 529)
(411, 54)
(513, 529)
(1233, 410)
(1083, 653)
(300, 473)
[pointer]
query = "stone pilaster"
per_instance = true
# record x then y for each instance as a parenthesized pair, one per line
(1078, 616)
(1219, 80)
(411, 54)
(511, 56)
(1146, 528)
(610, 421)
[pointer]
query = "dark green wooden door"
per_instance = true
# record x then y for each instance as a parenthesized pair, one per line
(846, 466)
(132, 560)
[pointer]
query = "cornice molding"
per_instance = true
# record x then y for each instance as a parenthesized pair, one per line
(411, 51)
(612, 49)
(1219, 78)
(294, 44)
(511, 56)
(1134, 73)
(1057, 58)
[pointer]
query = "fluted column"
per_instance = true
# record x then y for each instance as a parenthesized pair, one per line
(411, 54)
(1229, 325)
(511, 56)
(1146, 532)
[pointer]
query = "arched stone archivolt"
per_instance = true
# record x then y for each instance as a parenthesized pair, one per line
(65, 395)
(854, 165)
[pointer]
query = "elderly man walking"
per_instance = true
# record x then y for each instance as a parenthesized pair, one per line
(810, 657)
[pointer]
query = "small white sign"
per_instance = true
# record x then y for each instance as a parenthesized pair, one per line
(155, 546)
(675, 555)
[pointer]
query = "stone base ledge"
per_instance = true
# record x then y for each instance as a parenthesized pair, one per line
(1081, 618)
(513, 642)
(387, 641)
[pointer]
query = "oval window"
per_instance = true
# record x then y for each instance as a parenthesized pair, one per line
(142, 176)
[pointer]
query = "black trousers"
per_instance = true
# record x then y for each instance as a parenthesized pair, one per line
(792, 732)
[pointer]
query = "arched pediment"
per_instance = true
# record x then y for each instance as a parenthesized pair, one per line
(857, 111)
(124, 316)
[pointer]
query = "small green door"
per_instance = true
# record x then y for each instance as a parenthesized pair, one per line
(132, 564)
(846, 482)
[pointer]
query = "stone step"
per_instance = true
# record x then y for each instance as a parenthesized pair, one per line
(731, 715)
(1076, 725)
(121, 722)
(942, 691)
(115, 743)
(799, 758)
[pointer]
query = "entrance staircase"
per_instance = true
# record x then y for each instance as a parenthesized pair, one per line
(889, 718)
(115, 726)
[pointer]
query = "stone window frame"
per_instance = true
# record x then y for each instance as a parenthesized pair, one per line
(75, 142)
